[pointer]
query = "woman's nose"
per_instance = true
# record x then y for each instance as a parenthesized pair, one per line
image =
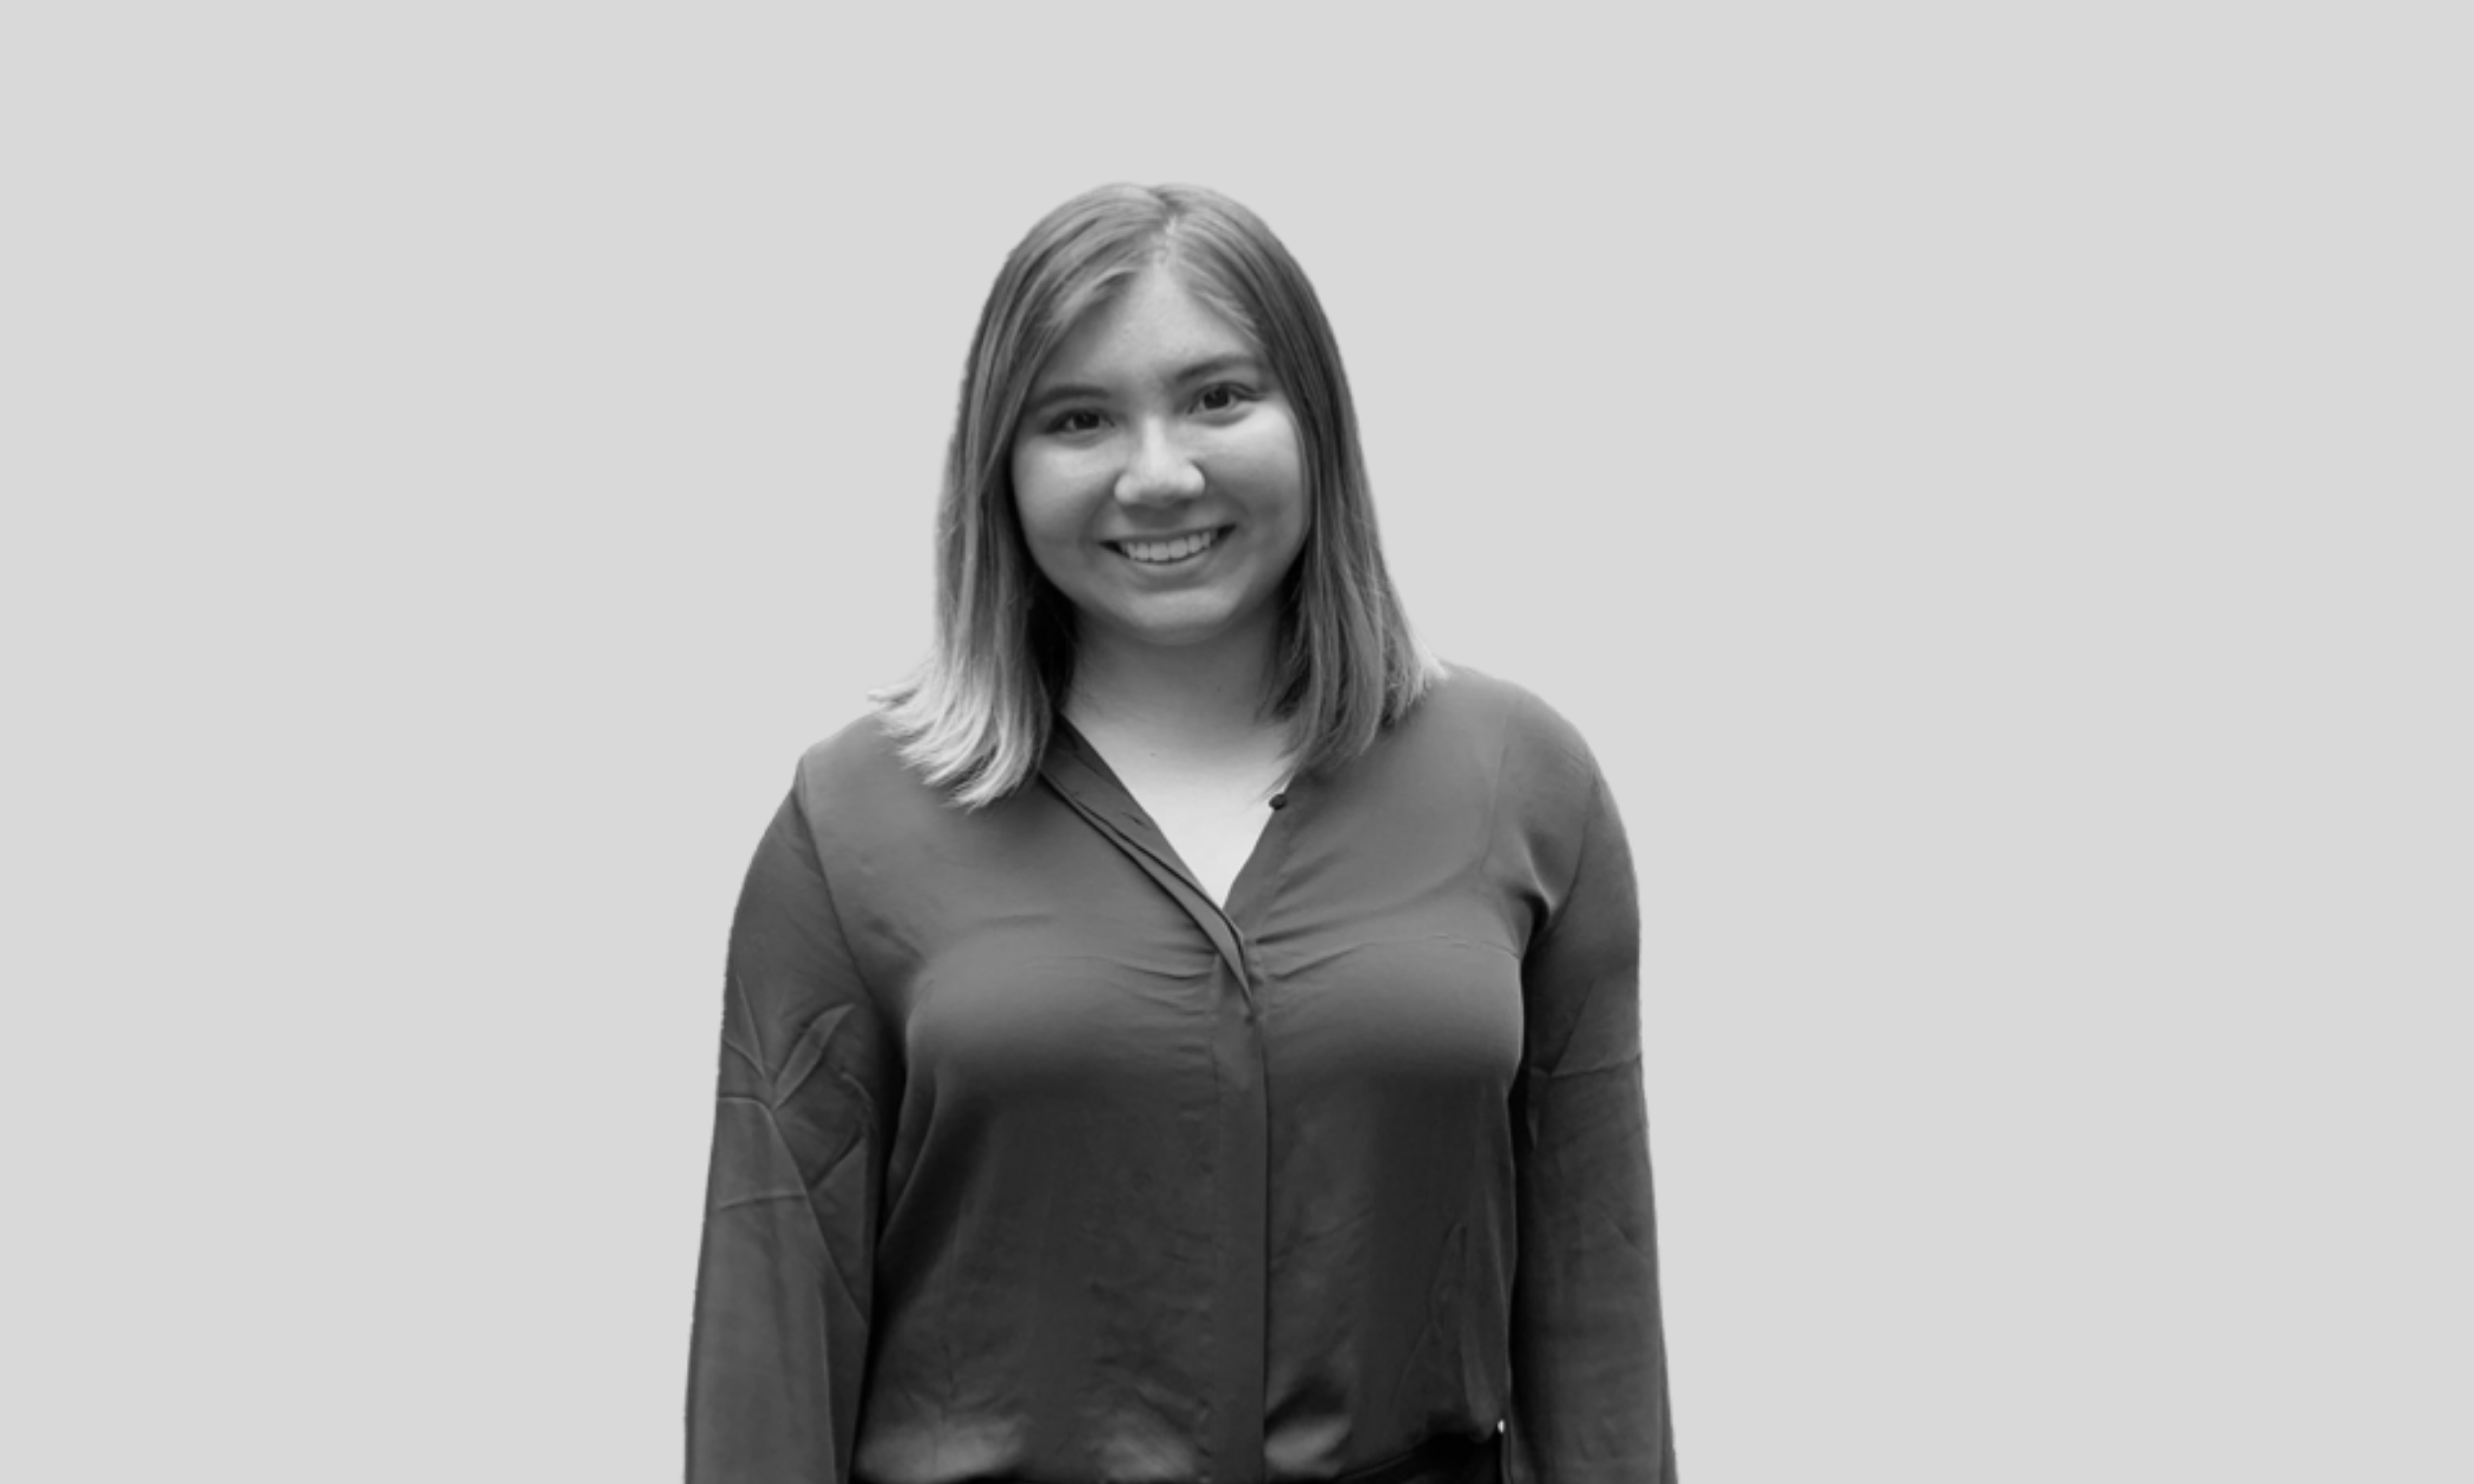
(1158, 468)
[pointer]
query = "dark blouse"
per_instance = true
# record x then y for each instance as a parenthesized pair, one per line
(1032, 1163)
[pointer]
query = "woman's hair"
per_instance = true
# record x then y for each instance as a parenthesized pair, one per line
(973, 718)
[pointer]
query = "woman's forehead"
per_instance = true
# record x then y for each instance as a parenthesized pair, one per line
(1154, 321)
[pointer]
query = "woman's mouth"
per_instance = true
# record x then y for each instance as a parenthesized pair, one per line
(1172, 550)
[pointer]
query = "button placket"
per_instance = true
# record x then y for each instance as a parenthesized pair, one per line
(1242, 1299)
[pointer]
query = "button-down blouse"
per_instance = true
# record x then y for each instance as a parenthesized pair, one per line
(1032, 1162)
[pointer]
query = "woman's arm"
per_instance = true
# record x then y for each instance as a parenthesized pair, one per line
(806, 1099)
(1589, 1396)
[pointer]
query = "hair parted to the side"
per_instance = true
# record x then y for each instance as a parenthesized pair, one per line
(975, 717)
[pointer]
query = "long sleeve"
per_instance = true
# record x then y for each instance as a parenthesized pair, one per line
(806, 1089)
(1589, 1393)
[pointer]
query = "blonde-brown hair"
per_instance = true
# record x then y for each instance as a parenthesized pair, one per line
(975, 717)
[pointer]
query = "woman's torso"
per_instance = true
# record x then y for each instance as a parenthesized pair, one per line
(1154, 1145)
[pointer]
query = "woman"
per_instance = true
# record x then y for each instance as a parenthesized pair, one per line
(1187, 1035)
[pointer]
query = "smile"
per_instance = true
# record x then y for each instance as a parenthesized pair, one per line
(1173, 549)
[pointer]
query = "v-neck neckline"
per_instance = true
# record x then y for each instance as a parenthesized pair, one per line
(1135, 817)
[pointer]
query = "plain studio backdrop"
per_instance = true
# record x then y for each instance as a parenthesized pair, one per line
(1994, 491)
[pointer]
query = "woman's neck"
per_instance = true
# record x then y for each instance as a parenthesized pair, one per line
(1197, 700)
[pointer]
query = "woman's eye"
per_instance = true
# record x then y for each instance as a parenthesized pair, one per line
(1078, 419)
(1221, 396)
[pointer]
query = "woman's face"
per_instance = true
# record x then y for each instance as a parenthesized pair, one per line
(1158, 473)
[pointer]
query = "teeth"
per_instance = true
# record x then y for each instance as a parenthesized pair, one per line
(1169, 551)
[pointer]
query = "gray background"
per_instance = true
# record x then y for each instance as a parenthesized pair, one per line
(1994, 492)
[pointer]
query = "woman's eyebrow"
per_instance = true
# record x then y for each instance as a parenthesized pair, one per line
(1218, 365)
(1065, 391)
(1193, 371)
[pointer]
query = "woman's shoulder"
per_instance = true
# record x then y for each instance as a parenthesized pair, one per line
(1543, 788)
(858, 771)
(1467, 700)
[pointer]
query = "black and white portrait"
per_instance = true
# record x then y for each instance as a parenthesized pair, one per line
(1236, 746)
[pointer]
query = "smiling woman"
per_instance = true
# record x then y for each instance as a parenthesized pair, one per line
(1188, 1036)
(1149, 390)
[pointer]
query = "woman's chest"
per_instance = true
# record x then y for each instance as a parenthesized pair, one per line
(1083, 963)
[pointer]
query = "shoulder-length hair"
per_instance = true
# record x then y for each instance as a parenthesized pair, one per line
(975, 717)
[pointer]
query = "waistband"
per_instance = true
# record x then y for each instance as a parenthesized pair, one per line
(1452, 1458)
(1448, 1458)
